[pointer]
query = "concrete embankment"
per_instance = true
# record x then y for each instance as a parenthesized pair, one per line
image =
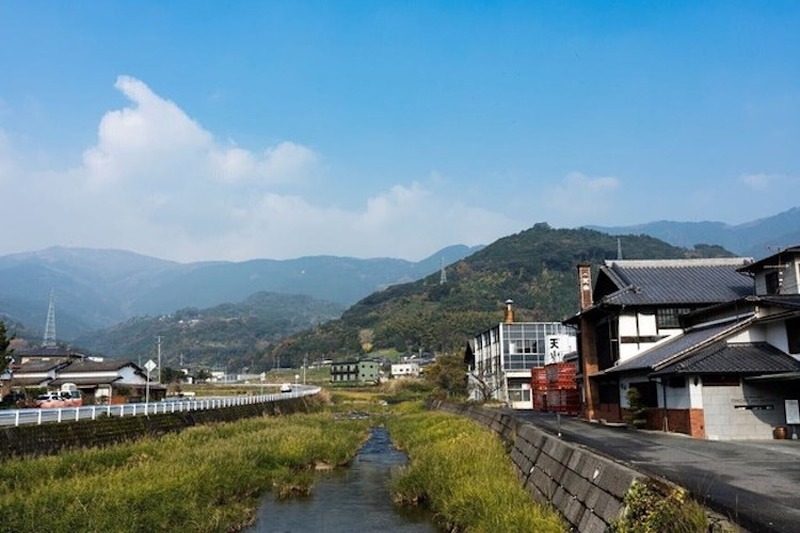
(586, 488)
(32, 440)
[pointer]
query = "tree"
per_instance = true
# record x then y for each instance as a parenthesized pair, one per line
(636, 414)
(486, 384)
(5, 353)
(448, 375)
(170, 375)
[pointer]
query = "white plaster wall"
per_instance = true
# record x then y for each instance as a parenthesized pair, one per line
(627, 326)
(757, 333)
(647, 324)
(790, 277)
(129, 375)
(676, 397)
(628, 350)
(695, 393)
(776, 335)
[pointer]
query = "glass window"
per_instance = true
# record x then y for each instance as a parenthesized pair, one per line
(667, 317)
(772, 279)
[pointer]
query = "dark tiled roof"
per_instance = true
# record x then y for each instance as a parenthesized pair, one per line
(37, 366)
(85, 381)
(677, 282)
(788, 301)
(46, 351)
(781, 257)
(26, 382)
(106, 365)
(736, 358)
(673, 347)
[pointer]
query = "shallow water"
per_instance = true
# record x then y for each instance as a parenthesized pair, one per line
(356, 498)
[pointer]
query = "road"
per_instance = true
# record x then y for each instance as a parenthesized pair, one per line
(754, 483)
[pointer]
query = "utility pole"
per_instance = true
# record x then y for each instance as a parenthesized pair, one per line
(159, 359)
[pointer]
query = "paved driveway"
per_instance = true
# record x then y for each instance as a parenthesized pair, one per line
(754, 483)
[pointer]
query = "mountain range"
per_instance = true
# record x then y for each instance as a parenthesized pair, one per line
(756, 239)
(116, 301)
(96, 289)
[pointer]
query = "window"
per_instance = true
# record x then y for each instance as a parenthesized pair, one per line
(668, 317)
(720, 381)
(647, 392)
(609, 393)
(772, 279)
(676, 382)
(793, 334)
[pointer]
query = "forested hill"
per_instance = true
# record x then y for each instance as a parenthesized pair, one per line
(535, 268)
(235, 336)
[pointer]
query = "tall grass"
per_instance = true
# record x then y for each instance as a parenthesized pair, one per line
(206, 478)
(461, 471)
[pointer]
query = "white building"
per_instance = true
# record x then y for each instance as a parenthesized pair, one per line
(502, 357)
(400, 370)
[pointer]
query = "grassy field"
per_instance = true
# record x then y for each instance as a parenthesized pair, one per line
(462, 472)
(206, 478)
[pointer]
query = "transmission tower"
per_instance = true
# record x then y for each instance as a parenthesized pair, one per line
(443, 275)
(50, 326)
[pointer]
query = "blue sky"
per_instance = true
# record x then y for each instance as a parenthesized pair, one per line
(238, 130)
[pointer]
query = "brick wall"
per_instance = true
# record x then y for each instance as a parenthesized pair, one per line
(687, 421)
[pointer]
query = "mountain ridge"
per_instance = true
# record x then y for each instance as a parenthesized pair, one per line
(756, 238)
(97, 288)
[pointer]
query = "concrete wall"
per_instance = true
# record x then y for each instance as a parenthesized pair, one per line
(744, 412)
(32, 440)
(586, 488)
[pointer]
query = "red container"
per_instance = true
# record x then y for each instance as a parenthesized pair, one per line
(561, 375)
(564, 401)
(539, 400)
(538, 378)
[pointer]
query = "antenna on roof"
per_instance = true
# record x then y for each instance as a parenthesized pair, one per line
(49, 340)
(619, 249)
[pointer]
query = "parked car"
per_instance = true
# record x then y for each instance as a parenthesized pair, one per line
(62, 398)
(49, 399)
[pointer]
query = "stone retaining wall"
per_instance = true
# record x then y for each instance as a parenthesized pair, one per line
(586, 488)
(50, 438)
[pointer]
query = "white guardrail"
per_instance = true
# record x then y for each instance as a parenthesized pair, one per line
(18, 417)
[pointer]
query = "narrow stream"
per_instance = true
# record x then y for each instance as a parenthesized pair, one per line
(355, 498)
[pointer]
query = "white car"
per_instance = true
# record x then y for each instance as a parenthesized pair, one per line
(286, 388)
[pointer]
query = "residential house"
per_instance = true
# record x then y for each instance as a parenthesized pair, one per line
(500, 359)
(98, 380)
(356, 371)
(712, 346)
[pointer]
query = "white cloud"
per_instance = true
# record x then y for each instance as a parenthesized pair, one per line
(7, 163)
(760, 181)
(156, 182)
(579, 199)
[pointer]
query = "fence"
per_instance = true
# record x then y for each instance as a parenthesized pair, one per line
(17, 417)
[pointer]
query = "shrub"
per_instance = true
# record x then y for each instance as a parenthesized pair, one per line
(653, 508)
(636, 416)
